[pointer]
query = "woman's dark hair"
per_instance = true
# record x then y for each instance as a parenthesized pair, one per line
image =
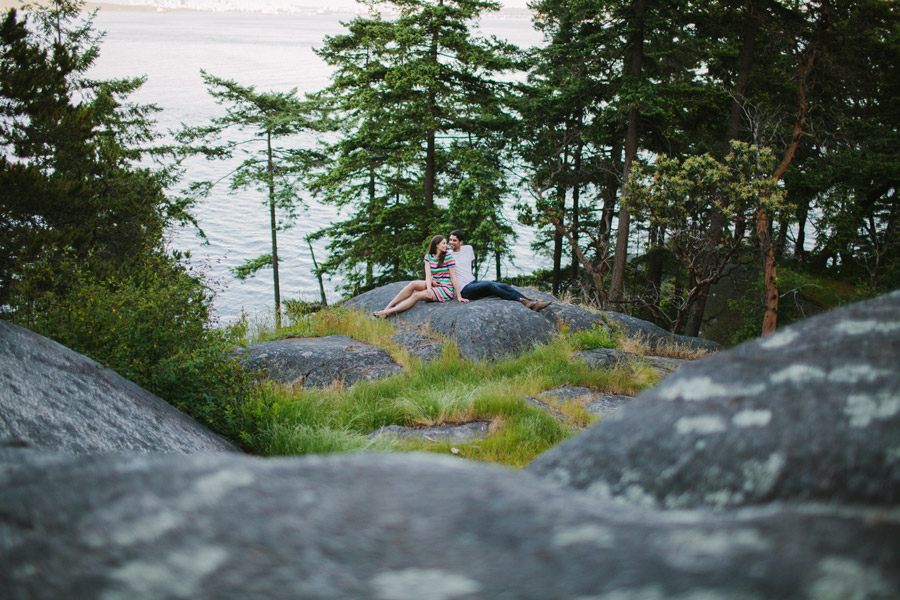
(432, 248)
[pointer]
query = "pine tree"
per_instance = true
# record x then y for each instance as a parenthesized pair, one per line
(269, 164)
(419, 115)
(71, 185)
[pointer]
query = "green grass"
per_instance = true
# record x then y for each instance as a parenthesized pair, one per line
(451, 390)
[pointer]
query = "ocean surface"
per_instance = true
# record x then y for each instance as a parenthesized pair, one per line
(272, 53)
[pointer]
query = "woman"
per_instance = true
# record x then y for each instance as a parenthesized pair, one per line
(439, 284)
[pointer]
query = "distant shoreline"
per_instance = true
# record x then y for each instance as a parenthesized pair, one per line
(7, 4)
(106, 7)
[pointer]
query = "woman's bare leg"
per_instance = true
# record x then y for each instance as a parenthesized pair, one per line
(407, 291)
(406, 303)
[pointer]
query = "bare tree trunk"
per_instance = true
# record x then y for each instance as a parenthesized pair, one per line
(273, 222)
(558, 241)
(370, 269)
(430, 169)
(802, 216)
(318, 274)
(763, 225)
(617, 285)
(653, 284)
(576, 196)
(430, 161)
(732, 132)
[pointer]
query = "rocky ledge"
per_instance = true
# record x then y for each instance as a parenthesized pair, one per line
(492, 328)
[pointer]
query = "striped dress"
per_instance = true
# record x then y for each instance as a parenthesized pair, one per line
(441, 285)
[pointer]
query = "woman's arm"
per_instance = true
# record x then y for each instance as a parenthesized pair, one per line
(459, 297)
(428, 280)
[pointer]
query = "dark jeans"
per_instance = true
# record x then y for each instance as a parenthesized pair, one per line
(480, 289)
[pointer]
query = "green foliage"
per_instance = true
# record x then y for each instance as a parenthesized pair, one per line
(802, 295)
(71, 176)
(251, 266)
(598, 336)
(81, 257)
(268, 165)
(150, 324)
(416, 102)
(686, 198)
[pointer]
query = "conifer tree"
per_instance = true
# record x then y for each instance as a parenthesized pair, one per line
(419, 112)
(71, 185)
(269, 164)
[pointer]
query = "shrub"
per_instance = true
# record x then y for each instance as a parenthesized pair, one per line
(152, 325)
(598, 336)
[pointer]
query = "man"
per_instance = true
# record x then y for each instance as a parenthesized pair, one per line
(472, 289)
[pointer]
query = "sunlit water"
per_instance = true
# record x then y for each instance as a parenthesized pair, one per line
(272, 53)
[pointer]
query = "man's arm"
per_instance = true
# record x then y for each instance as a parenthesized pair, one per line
(459, 298)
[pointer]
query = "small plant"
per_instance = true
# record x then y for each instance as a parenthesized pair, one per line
(598, 336)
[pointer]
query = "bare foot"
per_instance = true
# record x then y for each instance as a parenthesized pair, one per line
(381, 314)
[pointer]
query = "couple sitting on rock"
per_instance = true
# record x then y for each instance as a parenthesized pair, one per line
(448, 274)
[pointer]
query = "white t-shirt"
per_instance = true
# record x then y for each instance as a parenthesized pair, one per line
(464, 259)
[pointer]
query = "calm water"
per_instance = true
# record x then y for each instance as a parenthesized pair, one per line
(271, 53)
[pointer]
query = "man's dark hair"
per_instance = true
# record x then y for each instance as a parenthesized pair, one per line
(458, 234)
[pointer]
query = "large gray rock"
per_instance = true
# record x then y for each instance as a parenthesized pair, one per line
(425, 347)
(402, 527)
(55, 399)
(320, 362)
(810, 413)
(492, 328)
(484, 329)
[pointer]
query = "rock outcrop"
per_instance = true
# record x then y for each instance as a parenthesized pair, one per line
(424, 347)
(320, 362)
(808, 414)
(483, 329)
(492, 328)
(398, 527)
(55, 399)
(594, 402)
(466, 432)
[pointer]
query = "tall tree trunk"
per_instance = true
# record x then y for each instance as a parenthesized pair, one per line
(732, 132)
(763, 224)
(430, 168)
(764, 234)
(274, 225)
(654, 266)
(370, 268)
(430, 161)
(576, 189)
(558, 241)
(312, 253)
(617, 285)
(745, 69)
(610, 192)
(802, 216)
